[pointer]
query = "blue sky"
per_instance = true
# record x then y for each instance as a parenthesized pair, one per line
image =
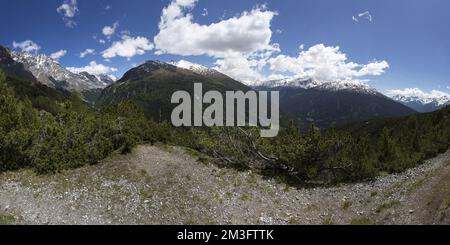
(411, 36)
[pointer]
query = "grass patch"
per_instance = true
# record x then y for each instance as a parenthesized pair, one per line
(328, 221)
(246, 197)
(192, 152)
(361, 221)
(146, 193)
(373, 194)
(383, 174)
(445, 204)
(253, 178)
(6, 219)
(416, 185)
(28, 178)
(293, 221)
(346, 205)
(432, 197)
(202, 158)
(443, 214)
(388, 193)
(189, 222)
(229, 194)
(238, 183)
(164, 147)
(387, 205)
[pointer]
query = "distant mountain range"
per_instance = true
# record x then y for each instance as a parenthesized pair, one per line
(324, 103)
(49, 72)
(345, 85)
(422, 102)
(329, 104)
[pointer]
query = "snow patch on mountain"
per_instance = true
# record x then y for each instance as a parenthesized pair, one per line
(196, 68)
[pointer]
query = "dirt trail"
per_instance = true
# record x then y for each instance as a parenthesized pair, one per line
(428, 198)
(166, 185)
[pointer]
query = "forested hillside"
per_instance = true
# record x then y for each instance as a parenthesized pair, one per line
(66, 134)
(152, 84)
(73, 135)
(354, 153)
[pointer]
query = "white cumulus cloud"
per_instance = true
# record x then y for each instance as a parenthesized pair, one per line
(128, 47)
(231, 41)
(93, 68)
(87, 52)
(239, 67)
(178, 33)
(108, 31)
(243, 49)
(59, 54)
(69, 9)
(27, 46)
(325, 63)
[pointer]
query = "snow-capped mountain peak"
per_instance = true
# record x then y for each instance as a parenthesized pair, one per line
(51, 73)
(421, 101)
(197, 68)
(106, 80)
(415, 94)
(341, 85)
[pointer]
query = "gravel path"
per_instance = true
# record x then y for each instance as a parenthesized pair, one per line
(166, 185)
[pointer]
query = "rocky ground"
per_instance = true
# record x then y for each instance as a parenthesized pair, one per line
(167, 185)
